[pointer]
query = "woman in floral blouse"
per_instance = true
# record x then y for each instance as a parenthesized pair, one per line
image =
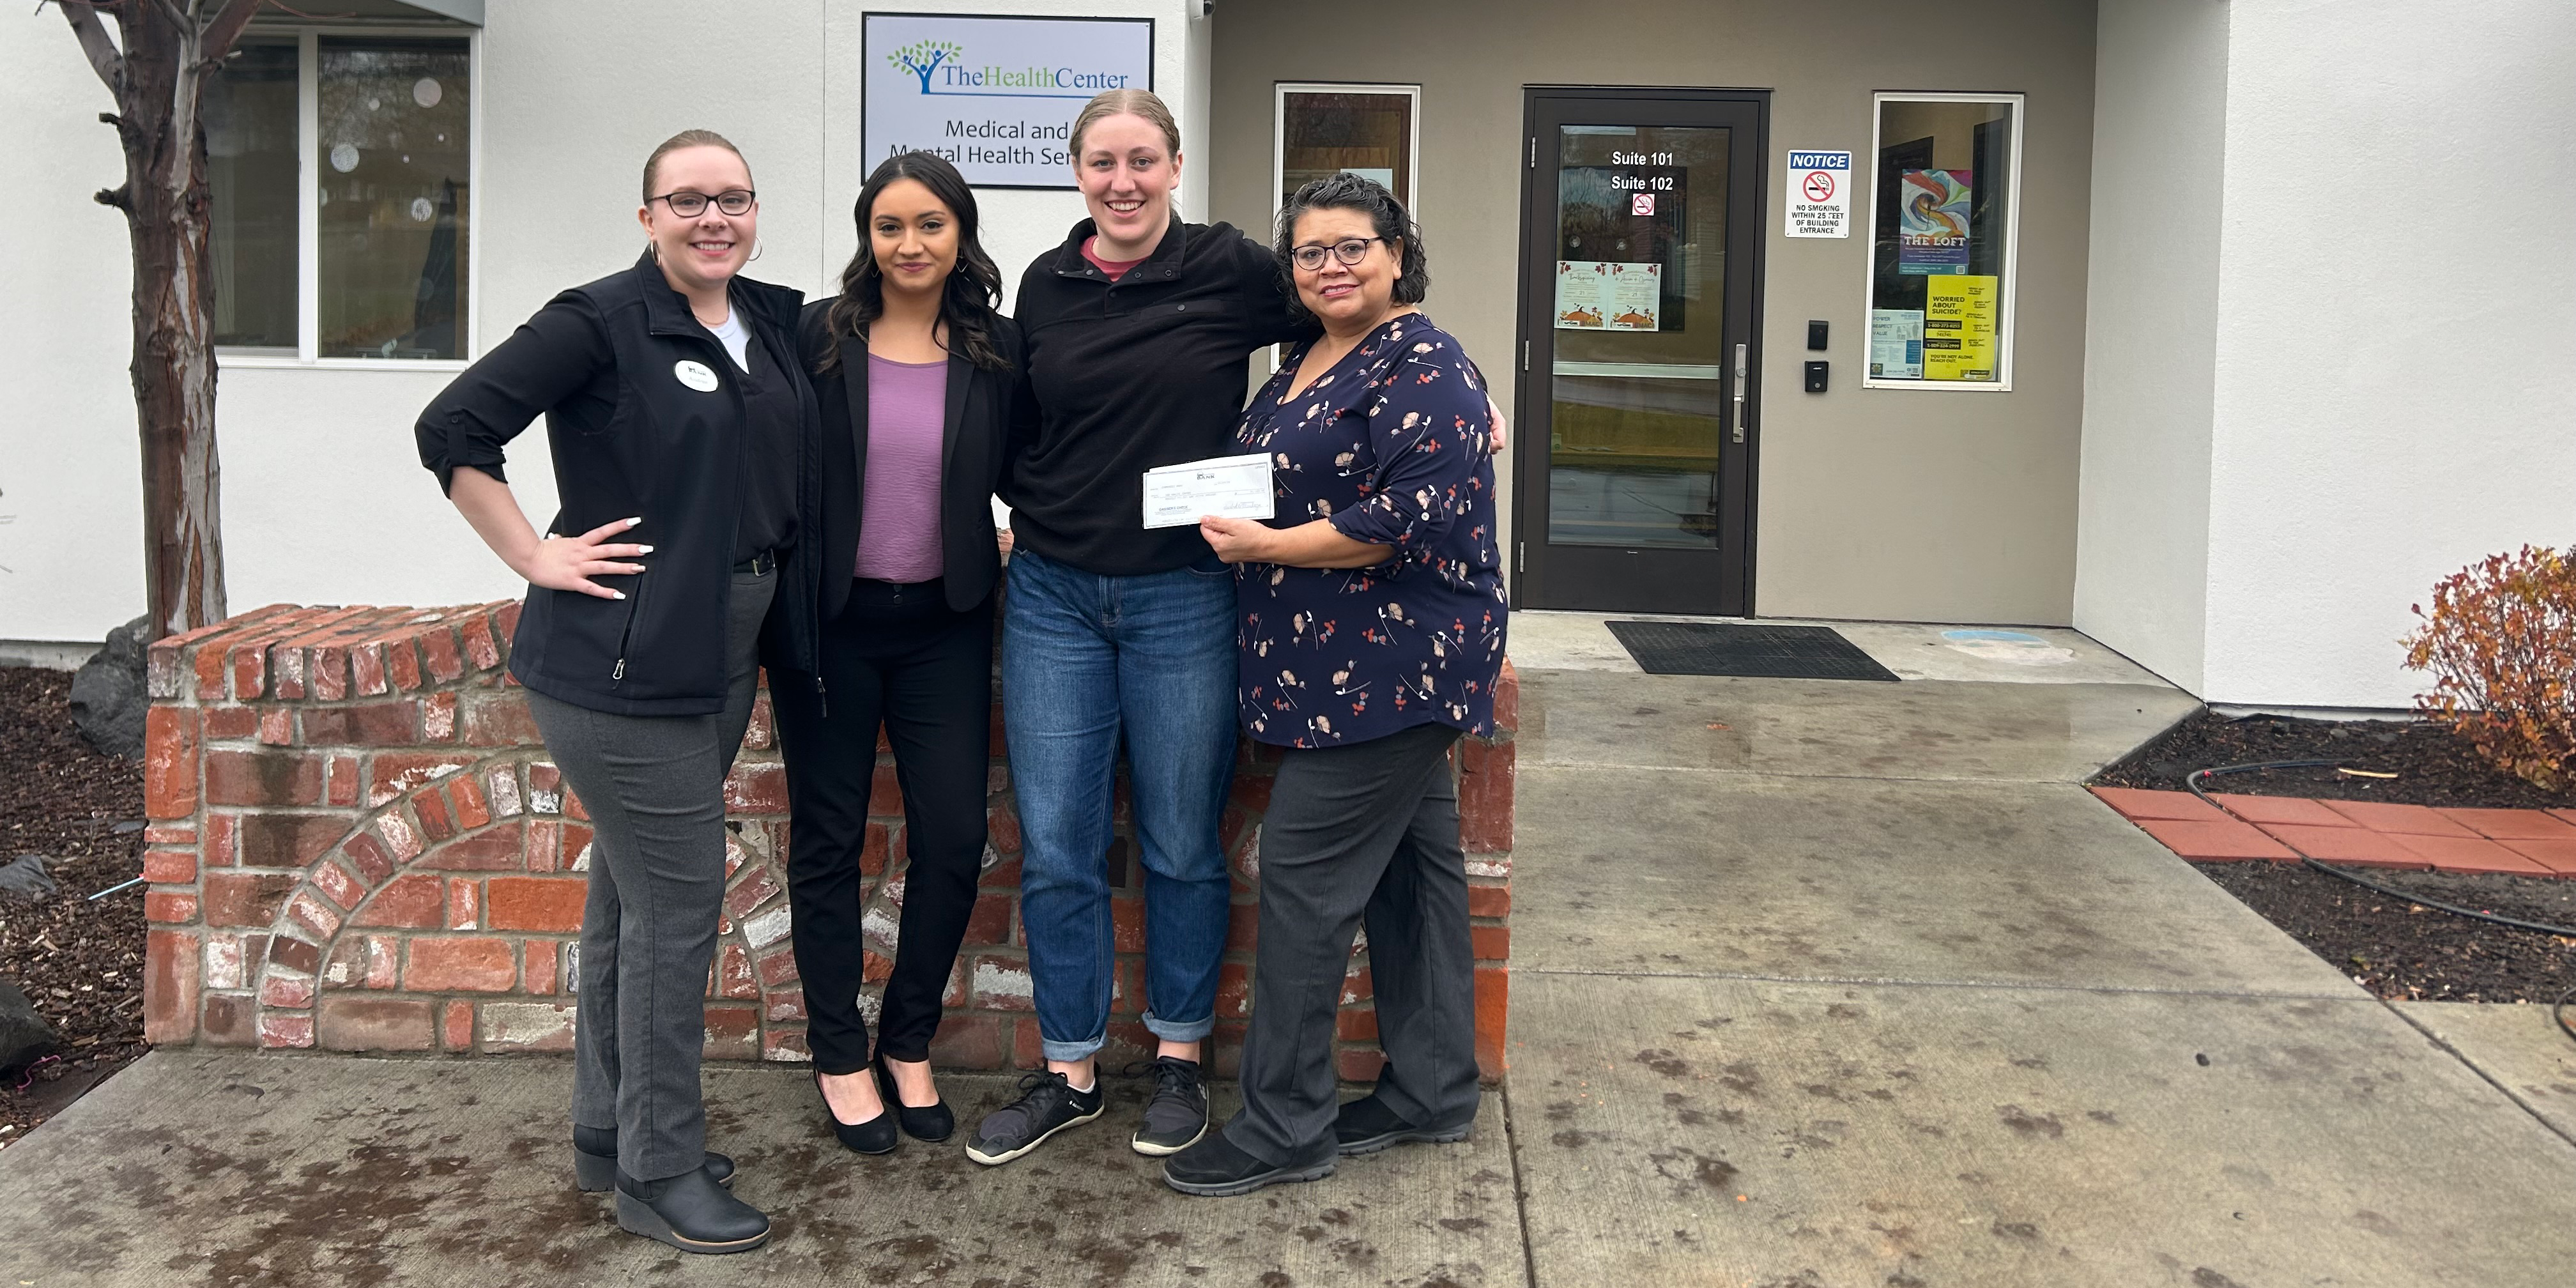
(1372, 613)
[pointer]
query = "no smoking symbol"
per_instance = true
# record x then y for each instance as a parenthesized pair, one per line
(1820, 185)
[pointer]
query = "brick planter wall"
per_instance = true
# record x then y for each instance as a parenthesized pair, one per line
(357, 843)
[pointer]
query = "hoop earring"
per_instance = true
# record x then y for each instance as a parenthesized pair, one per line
(757, 246)
(653, 251)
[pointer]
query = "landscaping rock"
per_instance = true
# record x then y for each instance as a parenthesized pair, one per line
(24, 1035)
(24, 877)
(108, 698)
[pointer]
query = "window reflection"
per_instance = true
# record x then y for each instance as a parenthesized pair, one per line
(1942, 236)
(250, 187)
(391, 154)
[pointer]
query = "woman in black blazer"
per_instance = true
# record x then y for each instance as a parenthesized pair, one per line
(915, 373)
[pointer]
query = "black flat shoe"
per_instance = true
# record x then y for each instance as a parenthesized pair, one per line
(933, 1123)
(594, 1160)
(1215, 1168)
(1366, 1125)
(875, 1136)
(690, 1212)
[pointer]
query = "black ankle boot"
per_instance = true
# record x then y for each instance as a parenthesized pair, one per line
(875, 1136)
(934, 1123)
(689, 1212)
(594, 1160)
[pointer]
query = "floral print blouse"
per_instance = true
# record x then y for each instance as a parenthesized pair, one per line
(1390, 444)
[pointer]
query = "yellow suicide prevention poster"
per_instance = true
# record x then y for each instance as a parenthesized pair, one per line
(1959, 327)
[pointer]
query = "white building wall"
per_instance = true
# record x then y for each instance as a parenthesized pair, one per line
(2394, 330)
(323, 495)
(2142, 523)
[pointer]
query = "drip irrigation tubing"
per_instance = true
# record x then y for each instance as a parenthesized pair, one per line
(2557, 1009)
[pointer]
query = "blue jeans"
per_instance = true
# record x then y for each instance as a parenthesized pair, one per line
(1084, 657)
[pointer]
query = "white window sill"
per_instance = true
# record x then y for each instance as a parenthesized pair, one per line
(1944, 386)
(276, 362)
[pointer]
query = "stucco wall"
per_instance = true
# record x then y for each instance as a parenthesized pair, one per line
(2159, 144)
(2394, 328)
(1871, 503)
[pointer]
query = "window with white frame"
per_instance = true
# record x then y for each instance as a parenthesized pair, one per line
(1323, 130)
(339, 172)
(1943, 214)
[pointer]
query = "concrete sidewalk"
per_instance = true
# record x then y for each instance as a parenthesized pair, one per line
(1814, 984)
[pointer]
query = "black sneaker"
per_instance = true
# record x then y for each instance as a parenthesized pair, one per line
(1366, 1125)
(1048, 1104)
(1215, 1169)
(1177, 1114)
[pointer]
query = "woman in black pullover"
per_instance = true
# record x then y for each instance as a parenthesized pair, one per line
(681, 427)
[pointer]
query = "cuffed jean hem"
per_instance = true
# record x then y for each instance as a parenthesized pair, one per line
(1180, 1030)
(1054, 1050)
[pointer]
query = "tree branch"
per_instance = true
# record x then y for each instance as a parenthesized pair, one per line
(103, 58)
(227, 27)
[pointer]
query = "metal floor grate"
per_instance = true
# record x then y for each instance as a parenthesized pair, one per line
(1743, 649)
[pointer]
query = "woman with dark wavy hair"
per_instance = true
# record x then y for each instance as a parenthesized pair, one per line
(915, 374)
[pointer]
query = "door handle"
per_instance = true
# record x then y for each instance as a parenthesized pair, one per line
(1739, 392)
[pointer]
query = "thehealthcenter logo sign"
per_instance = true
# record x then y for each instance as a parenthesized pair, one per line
(996, 96)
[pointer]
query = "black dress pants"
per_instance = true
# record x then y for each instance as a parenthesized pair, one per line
(897, 655)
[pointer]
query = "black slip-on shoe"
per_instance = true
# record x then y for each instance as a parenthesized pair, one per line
(875, 1136)
(594, 1160)
(689, 1212)
(1215, 1168)
(933, 1123)
(1176, 1116)
(1048, 1104)
(1366, 1125)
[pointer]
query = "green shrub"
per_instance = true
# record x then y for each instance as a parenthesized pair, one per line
(2500, 645)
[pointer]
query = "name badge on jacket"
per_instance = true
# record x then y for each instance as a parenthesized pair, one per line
(695, 375)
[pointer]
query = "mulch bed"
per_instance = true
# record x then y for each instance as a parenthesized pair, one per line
(2392, 946)
(80, 962)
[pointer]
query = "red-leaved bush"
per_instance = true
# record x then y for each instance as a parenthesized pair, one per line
(2500, 644)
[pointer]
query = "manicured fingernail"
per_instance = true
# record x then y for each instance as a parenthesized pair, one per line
(636, 520)
(619, 593)
(644, 549)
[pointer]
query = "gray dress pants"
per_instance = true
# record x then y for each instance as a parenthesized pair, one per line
(1367, 832)
(654, 788)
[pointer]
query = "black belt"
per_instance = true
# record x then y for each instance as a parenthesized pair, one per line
(759, 565)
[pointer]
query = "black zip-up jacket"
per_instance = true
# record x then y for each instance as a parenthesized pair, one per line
(974, 445)
(604, 363)
(1149, 370)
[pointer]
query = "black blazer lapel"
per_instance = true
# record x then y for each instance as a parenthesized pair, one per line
(961, 377)
(854, 388)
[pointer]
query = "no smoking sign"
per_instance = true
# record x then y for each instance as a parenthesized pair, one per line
(1818, 194)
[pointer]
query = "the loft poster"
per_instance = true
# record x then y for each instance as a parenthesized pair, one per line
(995, 96)
(1932, 221)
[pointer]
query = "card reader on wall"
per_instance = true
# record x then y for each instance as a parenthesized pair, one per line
(1816, 376)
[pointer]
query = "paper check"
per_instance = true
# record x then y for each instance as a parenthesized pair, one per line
(1229, 487)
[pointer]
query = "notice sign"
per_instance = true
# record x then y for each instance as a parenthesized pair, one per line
(1959, 327)
(994, 96)
(1819, 194)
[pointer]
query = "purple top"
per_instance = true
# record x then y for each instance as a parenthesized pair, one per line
(899, 515)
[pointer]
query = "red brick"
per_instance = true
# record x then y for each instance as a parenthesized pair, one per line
(466, 795)
(285, 840)
(1002, 828)
(222, 831)
(364, 724)
(246, 899)
(393, 773)
(340, 785)
(363, 961)
(2358, 846)
(1358, 986)
(990, 923)
(235, 777)
(1492, 943)
(1127, 922)
(170, 763)
(2220, 841)
(169, 834)
(1358, 1064)
(500, 718)
(480, 648)
(286, 952)
(2473, 854)
(786, 1046)
(2515, 824)
(1243, 927)
(286, 992)
(169, 906)
(874, 967)
(415, 900)
(327, 671)
(885, 793)
(498, 849)
(438, 652)
(732, 1032)
(2410, 820)
(2263, 811)
(478, 965)
(285, 1030)
(1233, 991)
(550, 904)
(231, 723)
(464, 904)
(367, 669)
(368, 856)
(277, 726)
(777, 966)
(1485, 780)
(1028, 1044)
(431, 809)
(169, 867)
(169, 986)
(1355, 1024)
(968, 1042)
(308, 911)
(378, 1024)
(873, 854)
(543, 972)
(732, 973)
(456, 1026)
(527, 1026)
(438, 717)
(402, 665)
(752, 891)
(1489, 901)
(1493, 1012)
(249, 669)
(756, 787)
(1003, 984)
(762, 733)
(229, 1022)
(338, 885)
(2557, 856)
(545, 788)
(1507, 697)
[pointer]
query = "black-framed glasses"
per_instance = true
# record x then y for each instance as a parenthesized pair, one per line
(690, 205)
(1349, 250)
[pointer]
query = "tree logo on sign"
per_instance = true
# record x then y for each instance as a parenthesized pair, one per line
(922, 57)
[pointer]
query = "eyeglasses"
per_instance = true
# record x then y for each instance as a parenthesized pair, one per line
(1349, 250)
(690, 205)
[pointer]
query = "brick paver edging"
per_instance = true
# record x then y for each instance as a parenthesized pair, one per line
(358, 843)
(2364, 834)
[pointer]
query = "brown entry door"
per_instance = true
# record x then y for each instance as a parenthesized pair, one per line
(1641, 236)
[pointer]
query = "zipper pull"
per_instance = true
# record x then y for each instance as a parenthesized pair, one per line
(620, 672)
(822, 699)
